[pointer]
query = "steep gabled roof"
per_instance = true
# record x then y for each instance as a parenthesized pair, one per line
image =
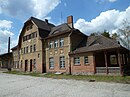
(96, 43)
(43, 26)
(60, 29)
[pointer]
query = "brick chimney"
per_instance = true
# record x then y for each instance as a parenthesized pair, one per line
(70, 21)
(9, 45)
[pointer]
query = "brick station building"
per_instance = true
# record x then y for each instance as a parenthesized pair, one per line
(44, 47)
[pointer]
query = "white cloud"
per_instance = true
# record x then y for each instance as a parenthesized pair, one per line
(104, 1)
(109, 20)
(5, 32)
(25, 8)
(112, 0)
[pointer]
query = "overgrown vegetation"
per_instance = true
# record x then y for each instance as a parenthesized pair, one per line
(91, 78)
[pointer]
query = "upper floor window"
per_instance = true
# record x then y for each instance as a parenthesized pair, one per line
(29, 27)
(21, 50)
(30, 48)
(51, 44)
(35, 34)
(77, 60)
(61, 42)
(27, 49)
(56, 43)
(34, 47)
(24, 50)
(62, 62)
(86, 60)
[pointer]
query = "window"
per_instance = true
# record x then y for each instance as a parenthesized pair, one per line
(24, 50)
(62, 62)
(30, 48)
(32, 35)
(34, 63)
(77, 60)
(61, 42)
(38, 55)
(21, 50)
(51, 44)
(113, 59)
(34, 47)
(35, 34)
(56, 43)
(27, 49)
(86, 60)
(21, 64)
(29, 27)
(51, 63)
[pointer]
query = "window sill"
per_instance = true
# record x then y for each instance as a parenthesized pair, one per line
(62, 68)
(51, 68)
(77, 64)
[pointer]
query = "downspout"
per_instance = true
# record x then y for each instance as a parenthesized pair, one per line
(69, 36)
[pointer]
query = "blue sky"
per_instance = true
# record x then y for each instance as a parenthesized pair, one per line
(89, 15)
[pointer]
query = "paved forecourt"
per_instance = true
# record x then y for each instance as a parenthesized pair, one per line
(27, 86)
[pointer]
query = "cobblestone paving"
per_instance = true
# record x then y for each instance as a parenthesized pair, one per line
(27, 86)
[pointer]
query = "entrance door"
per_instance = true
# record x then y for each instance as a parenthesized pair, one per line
(30, 65)
(26, 65)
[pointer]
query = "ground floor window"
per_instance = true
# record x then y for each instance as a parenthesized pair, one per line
(77, 60)
(51, 63)
(62, 62)
(86, 60)
(34, 62)
(113, 59)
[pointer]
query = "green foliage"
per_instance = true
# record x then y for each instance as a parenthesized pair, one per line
(106, 34)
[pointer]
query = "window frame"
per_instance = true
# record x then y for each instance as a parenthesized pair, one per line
(55, 43)
(62, 62)
(51, 44)
(51, 63)
(34, 47)
(76, 60)
(61, 42)
(86, 60)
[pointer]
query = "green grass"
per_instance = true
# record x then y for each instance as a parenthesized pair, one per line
(97, 78)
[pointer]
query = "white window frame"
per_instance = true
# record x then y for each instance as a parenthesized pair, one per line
(51, 63)
(86, 61)
(76, 60)
(62, 62)
(61, 42)
(51, 44)
(55, 43)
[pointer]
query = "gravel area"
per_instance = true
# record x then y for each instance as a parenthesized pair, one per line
(27, 86)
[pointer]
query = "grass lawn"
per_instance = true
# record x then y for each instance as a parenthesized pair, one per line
(91, 78)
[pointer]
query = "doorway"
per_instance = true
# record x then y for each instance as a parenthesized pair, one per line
(26, 65)
(30, 65)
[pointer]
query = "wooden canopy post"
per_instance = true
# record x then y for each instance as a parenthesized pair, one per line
(119, 62)
(105, 54)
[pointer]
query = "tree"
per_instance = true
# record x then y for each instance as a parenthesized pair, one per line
(94, 34)
(124, 34)
(106, 34)
(115, 36)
